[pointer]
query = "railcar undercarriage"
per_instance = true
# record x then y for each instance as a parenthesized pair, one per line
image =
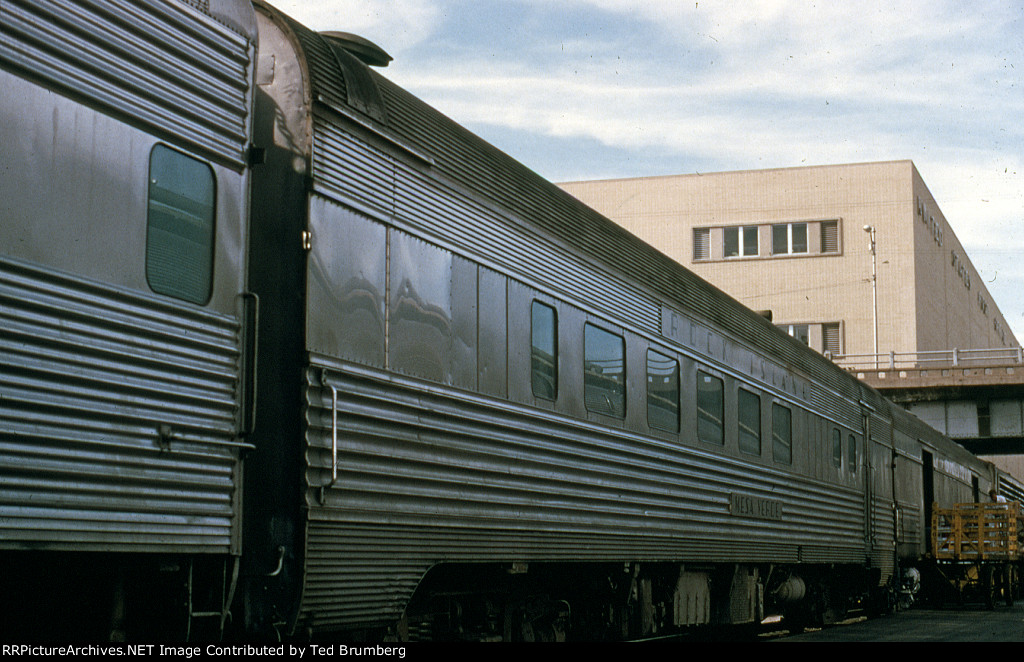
(599, 602)
(116, 597)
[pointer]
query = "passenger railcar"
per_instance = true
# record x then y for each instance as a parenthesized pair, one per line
(123, 296)
(476, 409)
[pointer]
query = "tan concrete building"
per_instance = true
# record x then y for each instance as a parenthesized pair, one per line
(798, 242)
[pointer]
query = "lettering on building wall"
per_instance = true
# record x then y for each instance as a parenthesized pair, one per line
(1000, 331)
(744, 505)
(961, 269)
(929, 220)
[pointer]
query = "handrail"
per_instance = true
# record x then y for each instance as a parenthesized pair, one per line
(949, 358)
(334, 439)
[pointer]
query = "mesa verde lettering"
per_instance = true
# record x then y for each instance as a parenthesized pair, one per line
(744, 505)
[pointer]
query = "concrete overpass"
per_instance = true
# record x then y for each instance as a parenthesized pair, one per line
(975, 397)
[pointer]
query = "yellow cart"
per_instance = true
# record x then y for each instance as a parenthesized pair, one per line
(977, 547)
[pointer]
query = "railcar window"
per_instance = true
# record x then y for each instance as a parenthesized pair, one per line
(604, 372)
(782, 434)
(851, 453)
(837, 448)
(662, 392)
(749, 417)
(179, 226)
(710, 409)
(544, 351)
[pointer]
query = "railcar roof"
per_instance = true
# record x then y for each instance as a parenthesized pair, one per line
(461, 157)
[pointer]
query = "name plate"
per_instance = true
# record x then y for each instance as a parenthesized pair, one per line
(744, 505)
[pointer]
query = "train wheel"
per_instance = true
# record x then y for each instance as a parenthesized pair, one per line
(539, 619)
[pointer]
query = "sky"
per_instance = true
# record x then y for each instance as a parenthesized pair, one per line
(599, 89)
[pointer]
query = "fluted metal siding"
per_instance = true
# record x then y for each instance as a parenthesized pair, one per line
(465, 162)
(161, 64)
(428, 475)
(352, 170)
(369, 178)
(87, 374)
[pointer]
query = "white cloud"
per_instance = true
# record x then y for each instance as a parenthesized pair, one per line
(395, 25)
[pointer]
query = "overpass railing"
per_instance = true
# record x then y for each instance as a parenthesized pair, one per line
(949, 358)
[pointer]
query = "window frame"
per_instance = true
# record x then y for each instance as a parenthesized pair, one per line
(535, 375)
(704, 244)
(789, 227)
(594, 332)
(702, 417)
(674, 376)
(171, 282)
(794, 331)
(832, 333)
(741, 423)
(782, 438)
(742, 232)
(823, 228)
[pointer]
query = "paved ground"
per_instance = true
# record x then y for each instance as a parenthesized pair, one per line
(935, 625)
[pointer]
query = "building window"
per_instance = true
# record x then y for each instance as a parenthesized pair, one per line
(179, 226)
(544, 351)
(662, 392)
(830, 236)
(799, 331)
(830, 339)
(702, 244)
(749, 421)
(741, 241)
(984, 420)
(789, 238)
(782, 434)
(604, 372)
(710, 409)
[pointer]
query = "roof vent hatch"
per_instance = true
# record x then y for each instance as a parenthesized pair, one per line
(364, 49)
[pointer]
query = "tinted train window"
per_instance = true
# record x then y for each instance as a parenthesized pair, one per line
(837, 448)
(604, 372)
(544, 351)
(662, 392)
(782, 434)
(179, 231)
(749, 416)
(710, 409)
(851, 453)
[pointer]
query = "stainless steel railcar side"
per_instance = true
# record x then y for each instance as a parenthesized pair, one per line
(403, 257)
(124, 136)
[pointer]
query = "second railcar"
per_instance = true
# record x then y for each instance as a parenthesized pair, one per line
(510, 418)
